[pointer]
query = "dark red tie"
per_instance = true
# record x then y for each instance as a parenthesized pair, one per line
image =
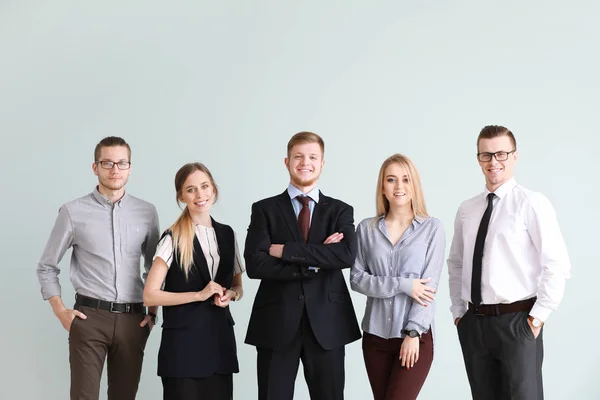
(304, 216)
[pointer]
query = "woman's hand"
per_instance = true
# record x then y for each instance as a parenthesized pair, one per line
(209, 290)
(223, 301)
(421, 292)
(409, 352)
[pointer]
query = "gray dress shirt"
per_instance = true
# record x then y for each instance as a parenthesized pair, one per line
(107, 240)
(385, 274)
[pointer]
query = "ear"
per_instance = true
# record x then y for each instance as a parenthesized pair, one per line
(286, 161)
(516, 155)
(95, 168)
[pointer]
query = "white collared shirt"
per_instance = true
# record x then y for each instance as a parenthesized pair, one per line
(524, 253)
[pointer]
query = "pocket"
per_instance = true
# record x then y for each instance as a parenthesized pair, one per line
(528, 332)
(134, 238)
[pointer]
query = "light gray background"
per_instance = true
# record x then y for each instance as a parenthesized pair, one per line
(228, 82)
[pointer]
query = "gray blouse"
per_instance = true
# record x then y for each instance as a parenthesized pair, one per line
(385, 274)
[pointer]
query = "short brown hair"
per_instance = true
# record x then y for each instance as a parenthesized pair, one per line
(305, 137)
(492, 131)
(111, 141)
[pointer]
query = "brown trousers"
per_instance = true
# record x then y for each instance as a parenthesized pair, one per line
(389, 380)
(116, 338)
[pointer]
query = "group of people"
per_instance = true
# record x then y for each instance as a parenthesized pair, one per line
(507, 270)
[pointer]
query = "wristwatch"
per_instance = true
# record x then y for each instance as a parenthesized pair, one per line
(536, 322)
(412, 333)
(236, 296)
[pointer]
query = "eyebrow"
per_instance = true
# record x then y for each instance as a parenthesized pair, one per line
(189, 186)
(124, 159)
(394, 176)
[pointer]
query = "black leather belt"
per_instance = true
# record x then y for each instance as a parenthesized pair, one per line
(489, 310)
(131, 308)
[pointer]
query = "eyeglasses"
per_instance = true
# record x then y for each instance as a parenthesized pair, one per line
(111, 164)
(499, 155)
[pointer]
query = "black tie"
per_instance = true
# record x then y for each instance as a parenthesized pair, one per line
(304, 216)
(478, 253)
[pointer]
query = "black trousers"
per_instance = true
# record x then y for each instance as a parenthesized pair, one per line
(323, 369)
(502, 357)
(214, 387)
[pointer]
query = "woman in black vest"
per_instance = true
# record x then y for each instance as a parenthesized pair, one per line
(198, 260)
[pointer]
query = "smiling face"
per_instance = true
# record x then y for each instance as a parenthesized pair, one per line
(397, 187)
(113, 179)
(497, 172)
(197, 192)
(304, 163)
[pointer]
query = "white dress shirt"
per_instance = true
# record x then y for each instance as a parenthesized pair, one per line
(524, 253)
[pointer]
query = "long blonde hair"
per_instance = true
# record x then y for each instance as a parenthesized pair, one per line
(382, 204)
(183, 229)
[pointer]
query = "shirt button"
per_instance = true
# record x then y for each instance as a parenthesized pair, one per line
(301, 297)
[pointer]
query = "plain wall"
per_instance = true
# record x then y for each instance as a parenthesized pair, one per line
(228, 82)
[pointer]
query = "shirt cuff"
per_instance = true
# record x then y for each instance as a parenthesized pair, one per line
(458, 311)
(50, 289)
(540, 312)
(413, 326)
(405, 285)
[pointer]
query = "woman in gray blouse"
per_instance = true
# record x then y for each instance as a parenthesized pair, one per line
(398, 266)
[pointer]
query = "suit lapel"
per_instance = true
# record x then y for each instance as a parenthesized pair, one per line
(319, 213)
(285, 205)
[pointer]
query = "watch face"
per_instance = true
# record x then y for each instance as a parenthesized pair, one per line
(413, 334)
(536, 322)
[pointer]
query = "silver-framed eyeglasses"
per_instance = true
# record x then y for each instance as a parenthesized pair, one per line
(499, 155)
(111, 164)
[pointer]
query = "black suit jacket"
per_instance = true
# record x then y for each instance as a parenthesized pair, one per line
(287, 286)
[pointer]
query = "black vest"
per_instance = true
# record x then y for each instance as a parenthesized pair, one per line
(197, 338)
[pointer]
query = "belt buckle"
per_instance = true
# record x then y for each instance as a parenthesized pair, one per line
(112, 309)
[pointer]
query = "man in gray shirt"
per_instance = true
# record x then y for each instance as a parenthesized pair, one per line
(108, 230)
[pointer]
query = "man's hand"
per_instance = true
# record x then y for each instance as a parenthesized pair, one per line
(148, 320)
(276, 250)
(422, 293)
(66, 317)
(536, 331)
(409, 352)
(334, 238)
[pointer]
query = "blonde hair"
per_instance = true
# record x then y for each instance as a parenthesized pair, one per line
(305, 137)
(183, 229)
(382, 204)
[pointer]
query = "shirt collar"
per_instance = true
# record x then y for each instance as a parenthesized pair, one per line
(504, 189)
(106, 202)
(294, 192)
(417, 220)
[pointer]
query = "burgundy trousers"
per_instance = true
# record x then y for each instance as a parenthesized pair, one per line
(389, 380)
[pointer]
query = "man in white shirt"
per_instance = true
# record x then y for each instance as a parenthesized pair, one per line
(507, 269)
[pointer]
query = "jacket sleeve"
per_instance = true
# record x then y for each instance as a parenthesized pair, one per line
(259, 263)
(327, 256)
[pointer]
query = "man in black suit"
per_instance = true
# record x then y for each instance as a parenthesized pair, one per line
(298, 243)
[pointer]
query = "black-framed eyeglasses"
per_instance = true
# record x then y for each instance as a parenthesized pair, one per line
(499, 155)
(111, 164)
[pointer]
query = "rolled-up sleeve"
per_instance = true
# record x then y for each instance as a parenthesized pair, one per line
(61, 238)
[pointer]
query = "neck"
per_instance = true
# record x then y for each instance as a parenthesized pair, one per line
(400, 215)
(305, 189)
(201, 219)
(112, 195)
